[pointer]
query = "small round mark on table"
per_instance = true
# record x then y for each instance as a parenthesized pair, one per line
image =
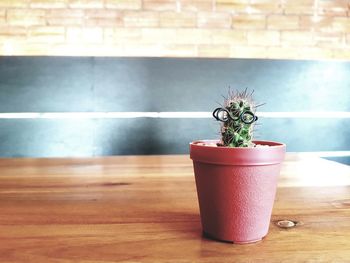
(286, 223)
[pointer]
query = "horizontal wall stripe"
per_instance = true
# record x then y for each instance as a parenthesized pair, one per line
(167, 115)
(326, 154)
(308, 114)
(100, 137)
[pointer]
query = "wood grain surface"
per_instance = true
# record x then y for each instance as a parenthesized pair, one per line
(144, 209)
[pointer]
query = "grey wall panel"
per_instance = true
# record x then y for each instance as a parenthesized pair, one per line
(41, 84)
(165, 136)
(68, 84)
(307, 134)
(122, 85)
(56, 138)
(196, 84)
(150, 136)
(46, 138)
(164, 84)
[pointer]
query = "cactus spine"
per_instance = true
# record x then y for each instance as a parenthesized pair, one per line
(237, 116)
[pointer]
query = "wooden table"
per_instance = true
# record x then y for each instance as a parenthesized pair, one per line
(144, 209)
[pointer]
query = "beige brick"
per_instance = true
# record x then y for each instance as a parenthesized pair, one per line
(12, 34)
(46, 39)
(2, 12)
(114, 50)
(177, 19)
(67, 17)
(194, 6)
(236, 2)
(25, 49)
(333, 7)
(25, 17)
(14, 3)
(46, 34)
(48, 3)
(141, 49)
(214, 20)
(108, 35)
(329, 40)
(103, 22)
(282, 52)
(268, 7)
(341, 54)
(124, 4)
(282, 22)
(69, 21)
(249, 21)
(214, 51)
(179, 51)
(158, 35)
(249, 7)
(127, 35)
(341, 24)
(74, 34)
(104, 18)
(46, 30)
(6, 48)
(13, 31)
(317, 23)
(298, 7)
(25, 12)
(11, 39)
(141, 19)
(263, 38)
(208, 51)
(2, 20)
(229, 37)
(232, 6)
(93, 35)
(86, 35)
(315, 53)
(248, 52)
(78, 49)
(86, 49)
(192, 1)
(299, 38)
(86, 4)
(194, 36)
(159, 5)
(102, 13)
(64, 13)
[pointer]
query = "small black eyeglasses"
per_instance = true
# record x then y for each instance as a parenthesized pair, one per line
(247, 117)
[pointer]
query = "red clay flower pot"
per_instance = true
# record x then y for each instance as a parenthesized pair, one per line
(236, 188)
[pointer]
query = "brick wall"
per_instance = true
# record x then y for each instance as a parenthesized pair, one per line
(310, 29)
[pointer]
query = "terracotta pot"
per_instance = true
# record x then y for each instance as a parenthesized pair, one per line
(236, 188)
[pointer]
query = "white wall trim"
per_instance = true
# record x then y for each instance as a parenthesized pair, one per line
(306, 114)
(191, 115)
(326, 154)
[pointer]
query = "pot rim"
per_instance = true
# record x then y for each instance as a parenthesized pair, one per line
(199, 143)
(222, 155)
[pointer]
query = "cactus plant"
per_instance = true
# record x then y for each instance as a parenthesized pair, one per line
(237, 116)
(235, 175)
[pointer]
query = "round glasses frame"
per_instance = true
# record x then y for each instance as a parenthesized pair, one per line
(219, 115)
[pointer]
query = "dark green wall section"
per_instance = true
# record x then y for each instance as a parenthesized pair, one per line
(48, 84)
(69, 84)
(52, 137)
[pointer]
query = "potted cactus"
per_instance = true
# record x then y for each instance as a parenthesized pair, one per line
(236, 177)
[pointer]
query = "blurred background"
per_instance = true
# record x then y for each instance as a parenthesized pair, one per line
(110, 77)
